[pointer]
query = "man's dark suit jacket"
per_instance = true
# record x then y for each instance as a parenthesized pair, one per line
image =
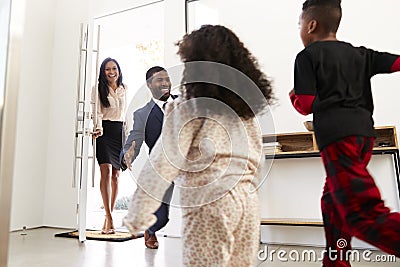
(147, 126)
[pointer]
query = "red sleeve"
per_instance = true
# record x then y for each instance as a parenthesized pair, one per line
(302, 103)
(396, 65)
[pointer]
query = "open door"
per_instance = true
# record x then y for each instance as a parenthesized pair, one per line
(85, 149)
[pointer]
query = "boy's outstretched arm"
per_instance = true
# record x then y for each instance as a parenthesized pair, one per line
(396, 65)
(302, 103)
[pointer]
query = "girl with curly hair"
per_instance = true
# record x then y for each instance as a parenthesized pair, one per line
(211, 147)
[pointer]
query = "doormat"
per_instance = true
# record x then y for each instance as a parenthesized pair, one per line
(97, 235)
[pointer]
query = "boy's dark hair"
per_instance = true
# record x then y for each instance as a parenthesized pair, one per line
(151, 71)
(215, 43)
(328, 13)
(103, 83)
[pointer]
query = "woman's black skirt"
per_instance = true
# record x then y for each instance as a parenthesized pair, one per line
(109, 145)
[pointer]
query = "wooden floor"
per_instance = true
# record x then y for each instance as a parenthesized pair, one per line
(40, 248)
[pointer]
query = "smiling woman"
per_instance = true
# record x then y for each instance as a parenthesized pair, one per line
(108, 132)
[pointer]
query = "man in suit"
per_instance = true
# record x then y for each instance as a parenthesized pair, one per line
(147, 127)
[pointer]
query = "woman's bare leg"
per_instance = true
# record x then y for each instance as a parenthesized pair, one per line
(105, 190)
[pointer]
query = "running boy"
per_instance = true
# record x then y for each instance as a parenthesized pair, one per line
(332, 81)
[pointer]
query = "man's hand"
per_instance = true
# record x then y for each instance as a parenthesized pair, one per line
(129, 155)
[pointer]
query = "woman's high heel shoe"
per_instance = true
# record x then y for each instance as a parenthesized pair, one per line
(108, 227)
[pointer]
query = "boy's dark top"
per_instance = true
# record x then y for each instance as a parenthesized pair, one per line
(332, 80)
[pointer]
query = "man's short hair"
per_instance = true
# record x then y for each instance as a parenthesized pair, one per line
(327, 13)
(151, 71)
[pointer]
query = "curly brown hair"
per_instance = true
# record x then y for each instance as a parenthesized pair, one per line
(218, 44)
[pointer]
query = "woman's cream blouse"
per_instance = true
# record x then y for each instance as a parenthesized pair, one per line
(116, 110)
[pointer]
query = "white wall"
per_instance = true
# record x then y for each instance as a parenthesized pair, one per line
(174, 27)
(377, 28)
(33, 115)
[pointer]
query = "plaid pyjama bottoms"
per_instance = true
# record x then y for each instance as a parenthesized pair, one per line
(351, 202)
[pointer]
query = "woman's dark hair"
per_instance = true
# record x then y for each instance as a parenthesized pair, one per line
(103, 83)
(215, 43)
